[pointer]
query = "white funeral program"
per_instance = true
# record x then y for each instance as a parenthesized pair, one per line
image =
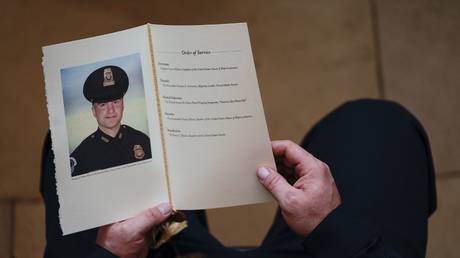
(155, 114)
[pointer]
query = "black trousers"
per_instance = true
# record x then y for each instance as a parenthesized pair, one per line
(380, 158)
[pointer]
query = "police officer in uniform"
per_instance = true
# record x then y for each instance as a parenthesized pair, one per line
(112, 144)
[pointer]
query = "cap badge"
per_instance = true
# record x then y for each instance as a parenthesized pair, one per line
(108, 77)
(138, 151)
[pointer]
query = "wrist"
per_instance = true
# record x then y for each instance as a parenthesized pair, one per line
(103, 242)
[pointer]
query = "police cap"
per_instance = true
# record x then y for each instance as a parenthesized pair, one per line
(106, 84)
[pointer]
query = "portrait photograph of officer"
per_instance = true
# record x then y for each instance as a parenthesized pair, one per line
(106, 116)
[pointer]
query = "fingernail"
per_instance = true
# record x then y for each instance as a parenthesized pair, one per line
(263, 172)
(165, 208)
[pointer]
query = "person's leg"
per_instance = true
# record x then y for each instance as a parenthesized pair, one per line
(281, 240)
(196, 238)
(380, 158)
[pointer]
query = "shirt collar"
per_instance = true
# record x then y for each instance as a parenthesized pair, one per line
(107, 138)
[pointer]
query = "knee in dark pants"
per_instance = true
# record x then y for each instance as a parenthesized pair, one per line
(373, 109)
(364, 118)
(363, 130)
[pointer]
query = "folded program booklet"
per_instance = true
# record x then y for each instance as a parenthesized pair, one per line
(155, 114)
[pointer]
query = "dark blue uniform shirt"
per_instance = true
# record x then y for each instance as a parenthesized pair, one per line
(101, 151)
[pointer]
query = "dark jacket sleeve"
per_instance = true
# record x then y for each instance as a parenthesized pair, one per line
(341, 235)
(81, 244)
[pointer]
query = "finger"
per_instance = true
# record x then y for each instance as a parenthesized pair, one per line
(294, 155)
(274, 182)
(149, 218)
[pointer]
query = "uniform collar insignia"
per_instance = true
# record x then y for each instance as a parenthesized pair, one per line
(105, 139)
(73, 164)
(108, 138)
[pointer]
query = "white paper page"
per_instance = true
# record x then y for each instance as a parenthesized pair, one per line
(117, 192)
(214, 125)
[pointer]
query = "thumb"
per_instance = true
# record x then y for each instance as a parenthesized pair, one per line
(274, 182)
(149, 218)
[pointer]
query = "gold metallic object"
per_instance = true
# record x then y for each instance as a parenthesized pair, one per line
(173, 226)
(138, 151)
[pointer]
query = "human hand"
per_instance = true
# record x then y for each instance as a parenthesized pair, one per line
(312, 197)
(128, 238)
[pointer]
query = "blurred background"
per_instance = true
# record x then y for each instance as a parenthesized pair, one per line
(310, 57)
